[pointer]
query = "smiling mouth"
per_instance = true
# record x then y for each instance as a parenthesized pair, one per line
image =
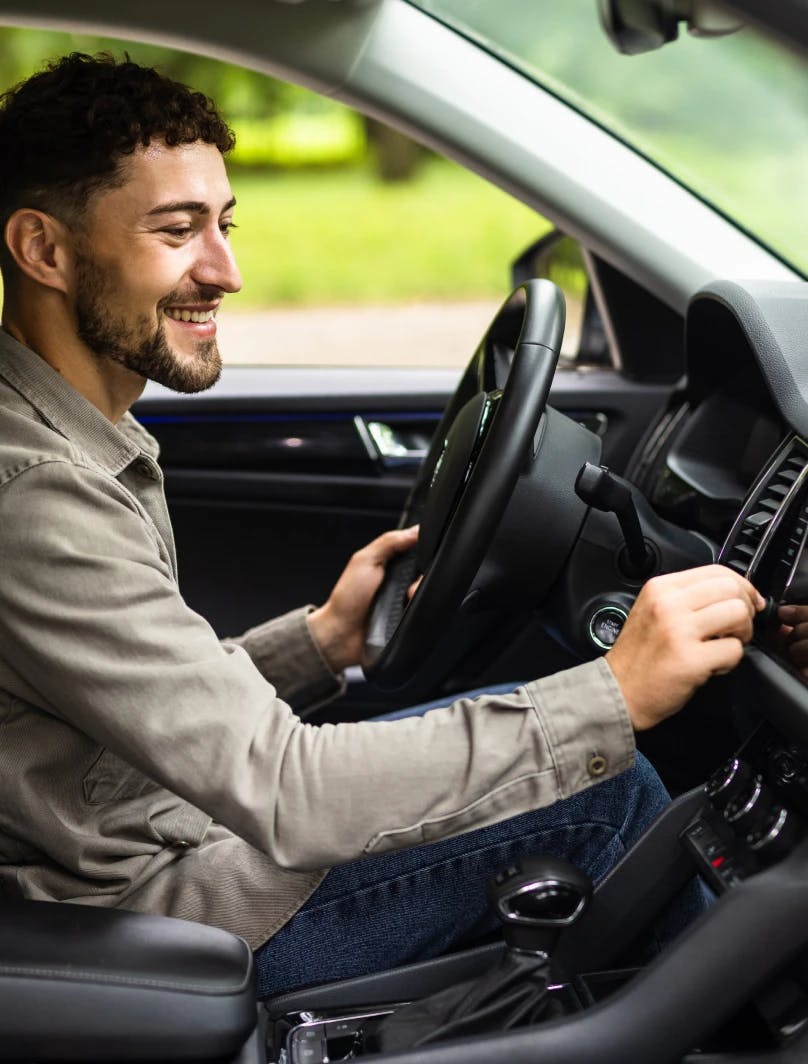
(199, 316)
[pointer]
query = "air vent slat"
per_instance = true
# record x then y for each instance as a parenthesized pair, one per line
(756, 521)
(772, 489)
(745, 550)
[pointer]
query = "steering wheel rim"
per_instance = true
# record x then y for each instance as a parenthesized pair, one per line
(490, 427)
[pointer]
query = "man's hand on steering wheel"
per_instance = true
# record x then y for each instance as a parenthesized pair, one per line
(339, 626)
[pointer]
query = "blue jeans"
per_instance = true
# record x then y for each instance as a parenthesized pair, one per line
(382, 912)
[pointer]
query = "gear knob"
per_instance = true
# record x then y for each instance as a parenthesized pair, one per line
(536, 898)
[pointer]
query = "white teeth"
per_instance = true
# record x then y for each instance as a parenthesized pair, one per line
(190, 315)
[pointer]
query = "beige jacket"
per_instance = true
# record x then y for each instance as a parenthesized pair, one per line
(145, 764)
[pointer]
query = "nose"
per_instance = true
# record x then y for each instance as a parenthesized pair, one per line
(216, 265)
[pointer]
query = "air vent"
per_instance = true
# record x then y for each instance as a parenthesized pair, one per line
(760, 514)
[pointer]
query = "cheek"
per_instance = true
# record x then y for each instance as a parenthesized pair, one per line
(149, 275)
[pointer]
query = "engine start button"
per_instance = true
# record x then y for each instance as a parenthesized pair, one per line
(605, 625)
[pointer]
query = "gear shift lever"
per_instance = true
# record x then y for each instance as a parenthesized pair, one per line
(536, 899)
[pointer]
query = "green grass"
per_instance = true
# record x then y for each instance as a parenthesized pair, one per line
(311, 237)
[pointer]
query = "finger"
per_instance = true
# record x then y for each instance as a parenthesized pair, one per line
(792, 614)
(413, 587)
(799, 633)
(720, 656)
(687, 578)
(719, 588)
(381, 549)
(729, 617)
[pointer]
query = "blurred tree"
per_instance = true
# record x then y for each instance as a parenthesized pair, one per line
(237, 90)
(247, 99)
(397, 156)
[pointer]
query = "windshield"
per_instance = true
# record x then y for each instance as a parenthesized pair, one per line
(727, 117)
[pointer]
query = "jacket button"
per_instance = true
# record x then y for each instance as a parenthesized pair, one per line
(144, 469)
(183, 844)
(597, 765)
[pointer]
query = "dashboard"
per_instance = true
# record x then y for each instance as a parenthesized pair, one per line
(728, 459)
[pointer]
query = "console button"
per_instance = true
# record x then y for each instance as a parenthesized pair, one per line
(307, 1045)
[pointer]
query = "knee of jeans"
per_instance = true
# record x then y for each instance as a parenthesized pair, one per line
(645, 796)
(647, 775)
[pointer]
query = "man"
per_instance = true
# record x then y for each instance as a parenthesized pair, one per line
(143, 763)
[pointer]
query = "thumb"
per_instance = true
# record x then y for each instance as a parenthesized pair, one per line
(395, 542)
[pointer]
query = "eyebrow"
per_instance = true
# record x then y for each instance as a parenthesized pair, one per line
(194, 206)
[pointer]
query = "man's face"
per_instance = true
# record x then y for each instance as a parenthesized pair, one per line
(153, 265)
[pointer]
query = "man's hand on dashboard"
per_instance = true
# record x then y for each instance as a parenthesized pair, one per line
(793, 635)
(684, 628)
(338, 627)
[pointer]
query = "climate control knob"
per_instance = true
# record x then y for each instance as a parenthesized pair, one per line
(728, 782)
(747, 812)
(776, 836)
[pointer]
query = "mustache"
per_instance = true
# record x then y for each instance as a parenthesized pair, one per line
(200, 294)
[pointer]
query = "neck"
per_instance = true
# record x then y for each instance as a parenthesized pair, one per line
(48, 328)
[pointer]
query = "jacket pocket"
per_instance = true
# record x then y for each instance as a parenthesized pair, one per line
(182, 825)
(111, 779)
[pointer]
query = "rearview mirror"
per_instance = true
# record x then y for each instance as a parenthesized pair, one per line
(637, 26)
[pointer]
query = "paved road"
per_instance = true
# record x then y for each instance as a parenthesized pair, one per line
(418, 334)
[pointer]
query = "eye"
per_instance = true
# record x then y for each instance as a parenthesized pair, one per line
(179, 232)
(226, 227)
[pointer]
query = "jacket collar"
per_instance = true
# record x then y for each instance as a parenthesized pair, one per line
(67, 412)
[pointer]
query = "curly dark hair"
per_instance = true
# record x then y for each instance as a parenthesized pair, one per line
(65, 131)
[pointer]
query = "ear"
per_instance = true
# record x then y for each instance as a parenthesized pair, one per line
(40, 246)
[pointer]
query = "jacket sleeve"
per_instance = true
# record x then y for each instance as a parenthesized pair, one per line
(92, 619)
(285, 653)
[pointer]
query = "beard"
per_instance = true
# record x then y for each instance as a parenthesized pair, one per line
(137, 343)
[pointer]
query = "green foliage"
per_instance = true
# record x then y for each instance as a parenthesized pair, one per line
(329, 237)
(276, 124)
(240, 93)
(296, 139)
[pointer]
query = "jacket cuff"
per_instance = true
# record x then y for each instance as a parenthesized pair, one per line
(586, 722)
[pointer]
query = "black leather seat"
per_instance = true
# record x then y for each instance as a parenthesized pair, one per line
(86, 984)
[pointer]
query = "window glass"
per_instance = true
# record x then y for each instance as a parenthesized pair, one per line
(728, 116)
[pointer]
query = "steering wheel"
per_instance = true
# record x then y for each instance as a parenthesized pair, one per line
(489, 436)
